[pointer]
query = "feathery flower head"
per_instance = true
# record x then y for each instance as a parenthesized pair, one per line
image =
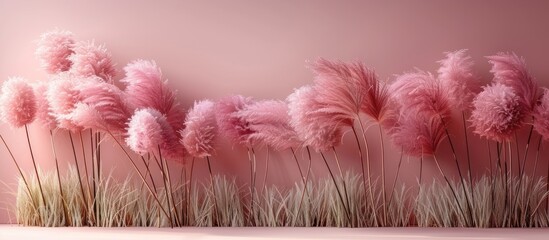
(269, 122)
(497, 112)
(229, 123)
(200, 129)
(90, 59)
(456, 76)
(315, 128)
(144, 131)
(17, 102)
(510, 70)
(146, 89)
(54, 49)
(43, 112)
(418, 134)
(421, 91)
(107, 103)
(541, 115)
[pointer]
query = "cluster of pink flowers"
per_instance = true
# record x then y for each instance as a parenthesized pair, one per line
(414, 109)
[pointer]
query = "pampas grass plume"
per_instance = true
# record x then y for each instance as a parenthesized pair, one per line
(44, 116)
(200, 129)
(418, 134)
(17, 102)
(54, 49)
(144, 131)
(230, 124)
(541, 115)
(90, 59)
(456, 76)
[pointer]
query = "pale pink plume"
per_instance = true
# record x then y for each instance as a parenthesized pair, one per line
(456, 76)
(54, 49)
(510, 70)
(230, 124)
(422, 92)
(417, 134)
(43, 112)
(144, 131)
(17, 102)
(90, 59)
(62, 96)
(146, 89)
(541, 115)
(497, 112)
(269, 122)
(200, 129)
(109, 108)
(317, 129)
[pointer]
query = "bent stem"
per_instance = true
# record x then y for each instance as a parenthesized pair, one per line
(364, 185)
(368, 168)
(166, 184)
(305, 181)
(396, 178)
(347, 213)
(450, 186)
(35, 168)
(342, 179)
(383, 177)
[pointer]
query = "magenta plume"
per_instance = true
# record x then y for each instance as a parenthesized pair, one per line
(510, 70)
(44, 116)
(417, 134)
(62, 97)
(269, 122)
(144, 132)
(54, 49)
(318, 129)
(17, 102)
(541, 115)
(497, 112)
(230, 124)
(146, 89)
(456, 76)
(200, 129)
(90, 59)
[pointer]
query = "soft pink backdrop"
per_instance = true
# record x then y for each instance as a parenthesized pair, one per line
(210, 49)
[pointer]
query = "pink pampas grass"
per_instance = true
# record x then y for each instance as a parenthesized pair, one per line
(200, 129)
(541, 115)
(144, 132)
(109, 108)
(497, 112)
(43, 112)
(417, 134)
(92, 60)
(317, 129)
(146, 89)
(456, 76)
(54, 49)
(269, 122)
(17, 102)
(62, 97)
(421, 91)
(230, 124)
(510, 70)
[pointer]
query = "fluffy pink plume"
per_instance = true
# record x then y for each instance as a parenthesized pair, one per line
(269, 122)
(497, 112)
(144, 131)
(230, 125)
(200, 129)
(62, 96)
(456, 76)
(317, 129)
(418, 134)
(17, 102)
(54, 49)
(92, 60)
(510, 70)
(541, 115)
(43, 112)
(422, 92)
(109, 108)
(146, 89)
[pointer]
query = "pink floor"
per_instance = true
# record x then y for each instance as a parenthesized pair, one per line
(17, 232)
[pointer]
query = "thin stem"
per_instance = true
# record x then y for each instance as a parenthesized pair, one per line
(522, 165)
(79, 175)
(35, 168)
(190, 184)
(396, 178)
(450, 186)
(166, 188)
(266, 170)
(174, 205)
(216, 210)
(470, 172)
(88, 201)
(364, 185)
(63, 202)
(383, 177)
(342, 180)
(371, 193)
(305, 181)
(347, 213)
(141, 176)
(22, 176)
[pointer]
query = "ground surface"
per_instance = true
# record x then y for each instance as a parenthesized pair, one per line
(17, 232)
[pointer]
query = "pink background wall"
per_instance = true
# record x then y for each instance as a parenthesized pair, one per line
(209, 49)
